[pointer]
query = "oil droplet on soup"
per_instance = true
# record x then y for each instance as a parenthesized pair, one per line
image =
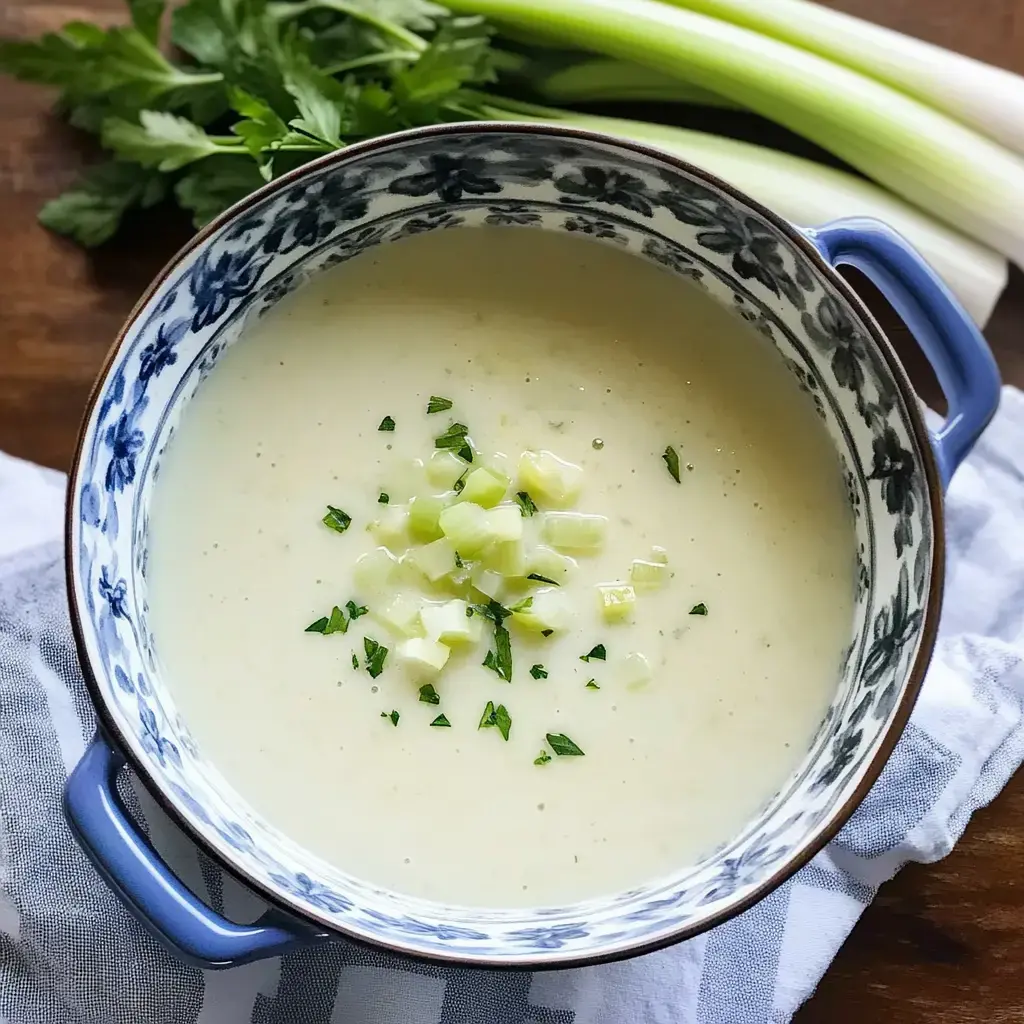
(542, 343)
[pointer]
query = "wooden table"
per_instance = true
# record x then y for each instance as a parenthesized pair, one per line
(942, 944)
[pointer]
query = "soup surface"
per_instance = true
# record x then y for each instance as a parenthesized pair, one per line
(542, 342)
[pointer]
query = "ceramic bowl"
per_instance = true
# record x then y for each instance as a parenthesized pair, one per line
(531, 178)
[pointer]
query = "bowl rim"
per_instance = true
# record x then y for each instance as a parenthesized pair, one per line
(823, 833)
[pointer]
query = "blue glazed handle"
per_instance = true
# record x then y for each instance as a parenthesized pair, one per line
(134, 870)
(954, 346)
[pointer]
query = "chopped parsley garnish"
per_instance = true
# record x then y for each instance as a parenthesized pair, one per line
(317, 627)
(521, 606)
(355, 610)
(539, 672)
(459, 565)
(597, 653)
(454, 440)
(387, 424)
(699, 609)
(441, 722)
(336, 519)
(496, 718)
(428, 695)
(671, 458)
(592, 684)
(542, 758)
(497, 613)
(384, 498)
(542, 579)
(439, 404)
(546, 632)
(337, 623)
(375, 655)
(500, 659)
(355, 661)
(394, 716)
(526, 504)
(562, 745)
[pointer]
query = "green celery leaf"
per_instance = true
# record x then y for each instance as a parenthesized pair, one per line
(146, 17)
(159, 140)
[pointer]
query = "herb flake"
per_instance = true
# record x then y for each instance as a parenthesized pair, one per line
(542, 758)
(428, 695)
(355, 661)
(699, 609)
(384, 498)
(317, 627)
(592, 685)
(441, 722)
(375, 655)
(336, 519)
(337, 623)
(539, 672)
(543, 579)
(438, 404)
(562, 745)
(394, 716)
(496, 718)
(454, 440)
(526, 503)
(500, 659)
(671, 457)
(355, 611)
(387, 424)
(596, 653)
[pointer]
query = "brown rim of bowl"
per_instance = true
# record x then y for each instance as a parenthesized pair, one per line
(825, 832)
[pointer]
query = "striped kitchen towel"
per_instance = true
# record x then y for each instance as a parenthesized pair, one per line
(71, 954)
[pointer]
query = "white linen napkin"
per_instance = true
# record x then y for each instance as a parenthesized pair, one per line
(71, 954)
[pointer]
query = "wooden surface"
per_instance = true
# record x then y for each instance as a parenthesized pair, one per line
(940, 945)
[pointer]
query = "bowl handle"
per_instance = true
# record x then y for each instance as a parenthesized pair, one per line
(959, 355)
(134, 870)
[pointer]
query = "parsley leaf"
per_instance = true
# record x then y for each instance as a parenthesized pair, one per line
(336, 519)
(439, 404)
(375, 655)
(394, 716)
(500, 659)
(384, 498)
(355, 661)
(337, 623)
(454, 439)
(542, 758)
(526, 503)
(428, 695)
(563, 746)
(387, 424)
(355, 611)
(487, 718)
(539, 672)
(592, 685)
(317, 627)
(699, 609)
(441, 722)
(159, 139)
(543, 579)
(671, 458)
(497, 613)
(496, 718)
(597, 653)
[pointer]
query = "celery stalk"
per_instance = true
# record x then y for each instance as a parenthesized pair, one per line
(927, 157)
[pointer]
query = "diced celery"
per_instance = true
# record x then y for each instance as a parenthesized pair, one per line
(507, 557)
(424, 511)
(390, 529)
(488, 582)
(444, 468)
(401, 615)
(485, 487)
(374, 571)
(574, 531)
(648, 574)
(547, 608)
(505, 523)
(617, 601)
(450, 624)
(546, 562)
(634, 671)
(659, 554)
(423, 656)
(467, 526)
(549, 479)
(434, 560)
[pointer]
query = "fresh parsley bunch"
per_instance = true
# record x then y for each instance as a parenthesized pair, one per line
(260, 87)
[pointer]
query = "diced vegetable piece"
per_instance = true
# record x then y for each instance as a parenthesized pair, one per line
(634, 671)
(374, 571)
(506, 557)
(659, 554)
(450, 624)
(547, 608)
(391, 528)
(505, 523)
(401, 615)
(425, 657)
(467, 526)
(424, 512)
(545, 561)
(488, 582)
(444, 468)
(617, 601)
(434, 560)
(549, 479)
(402, 479)
(574, 531)
(648, 574)
(485, 486)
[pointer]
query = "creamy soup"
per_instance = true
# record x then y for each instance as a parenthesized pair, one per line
(644, 723)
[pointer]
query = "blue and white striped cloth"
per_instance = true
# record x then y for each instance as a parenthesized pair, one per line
(71, 954)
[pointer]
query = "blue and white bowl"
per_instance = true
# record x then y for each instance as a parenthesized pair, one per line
(536, 179)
